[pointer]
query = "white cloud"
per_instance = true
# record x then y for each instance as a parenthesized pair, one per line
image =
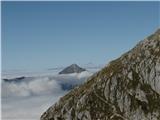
(29, 98)
(29, 108)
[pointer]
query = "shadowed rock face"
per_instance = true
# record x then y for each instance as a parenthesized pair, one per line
(128, 88)
(74, 68)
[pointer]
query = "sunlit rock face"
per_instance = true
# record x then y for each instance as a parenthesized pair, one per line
(128, 88)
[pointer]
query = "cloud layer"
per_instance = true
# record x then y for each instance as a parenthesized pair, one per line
(21, 99)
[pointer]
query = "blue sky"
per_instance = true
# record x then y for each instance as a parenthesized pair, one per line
(41, 35)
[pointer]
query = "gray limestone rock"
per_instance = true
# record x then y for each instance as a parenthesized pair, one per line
(128, 88)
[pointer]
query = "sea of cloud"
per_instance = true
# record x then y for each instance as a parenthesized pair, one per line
(28, 98)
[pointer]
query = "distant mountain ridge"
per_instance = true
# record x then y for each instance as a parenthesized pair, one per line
(74, 68)
(128, 88)
(18, 79)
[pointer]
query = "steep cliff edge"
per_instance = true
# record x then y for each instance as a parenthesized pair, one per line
(128, 88)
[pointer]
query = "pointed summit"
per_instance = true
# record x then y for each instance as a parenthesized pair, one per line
(74, 68)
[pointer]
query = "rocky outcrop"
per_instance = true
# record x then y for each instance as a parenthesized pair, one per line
(128, 88)
(74, 68)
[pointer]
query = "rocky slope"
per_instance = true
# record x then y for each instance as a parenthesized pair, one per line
(74, 68)
(128, 88)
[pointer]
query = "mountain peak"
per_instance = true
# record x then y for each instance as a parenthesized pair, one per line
(127, 89)
(74, 65)
(74, 68)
